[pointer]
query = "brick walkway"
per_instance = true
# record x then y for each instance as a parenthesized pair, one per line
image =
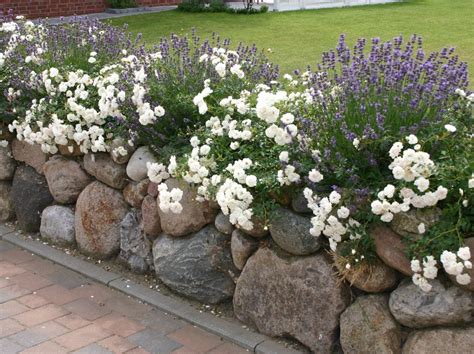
(46, 308)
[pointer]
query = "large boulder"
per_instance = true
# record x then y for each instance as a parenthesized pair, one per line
(66, 179)
(391, 250)
(290, 231)
(136, 167)
(7, 163)
(198, 266)
(368, 327)
(30, 194)
(57, 225)
(440, 341)
(242, 247)
(150, 217)
(135, 192)
(194, 216)
(7, 209)
(406, 223)
(443, 305)
(284, 295)
(102, 167)
(135, 248)
(30, 154)
(99, 212)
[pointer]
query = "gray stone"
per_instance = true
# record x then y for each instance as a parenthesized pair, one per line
(391, 250)
(7, 163)
(66, 179)
(259, 230)
(7, 209)
(102, 167)
(30, 154)
(284, 295)
(118, 158)
(300, 204)
(242, 247)
(290, 231)
(440, 341)
(194, 216)
(367, 327)
(198, 266)
(135, 192)
(30, 196)
(415, 308)
(223, 224)
(136, 167)
(150, 217)
(406, 223)
(57, 225)
(99, 212)
(135, 248)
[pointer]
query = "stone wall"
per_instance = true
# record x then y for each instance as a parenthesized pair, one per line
(57, 8)
(280, 278)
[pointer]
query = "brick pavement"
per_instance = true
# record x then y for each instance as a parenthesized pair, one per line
(46, 308)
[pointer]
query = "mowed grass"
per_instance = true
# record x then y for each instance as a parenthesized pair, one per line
(298, 38)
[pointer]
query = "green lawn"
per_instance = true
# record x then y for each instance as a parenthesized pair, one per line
(298, 38)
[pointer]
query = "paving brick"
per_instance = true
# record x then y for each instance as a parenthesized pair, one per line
(93, 349)
(67, 278)
(9, 327)
(82, 337)
(97, 293)
(17, 256)
(12, 292)
(45, 348)
(72, 321)
(159, 321)
(57, 294)
(154, 342)
(40, 315)
(184, 350)
(117, 344)
(11, 308)
(118, 324)
(30, 281)
(228, 348)
(138, 351)
(5, 282)
(5, 246)
(126, 306)
(196, 338)
(40, 266)
(8, 269)
(9, 347)
(87, 309)
(38, 334)
(32, 301)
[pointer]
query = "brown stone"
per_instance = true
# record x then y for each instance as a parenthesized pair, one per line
(367, 327)
(72, 149)
(284, 295)
(99, 212)
(391, 250)
(194, 216)
(152, 189)
(7, 210)
(372, 278)
(135, 192)
(242, 247)
(7, 163)
(66, 179)
(440, 341)
(102, 167)
(32, 155)
(260, 228)
(150, 217)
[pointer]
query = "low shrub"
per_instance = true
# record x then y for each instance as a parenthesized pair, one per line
(219, 6)
(121, 4)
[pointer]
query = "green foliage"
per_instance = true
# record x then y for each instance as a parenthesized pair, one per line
(121, 4)
(217, 6)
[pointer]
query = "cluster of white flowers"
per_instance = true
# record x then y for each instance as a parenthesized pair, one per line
(413, 166)
(221, 59)
(288, 176)
(169, 201)
(198, 100)
(454, 267)
(234, 201)
(422, 274)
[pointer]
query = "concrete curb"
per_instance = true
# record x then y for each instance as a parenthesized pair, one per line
(255, 342)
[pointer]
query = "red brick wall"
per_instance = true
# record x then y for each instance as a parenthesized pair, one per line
(56, 8)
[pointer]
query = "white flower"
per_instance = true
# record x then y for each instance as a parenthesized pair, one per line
(92, 60)
(412, 139)
(395, 150)
(343, 212)
(283, 157)
(470, 183)
(450, 128)
(53, 72)
(334, 197)
(421, 228)
(251, 181)
(398, 172)
(464, 253)
(287, 118)
(422, 184)
(315, 176)
(194, 141)
(415, 266)
(356, 143)
(463, 279)
(387, 217)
